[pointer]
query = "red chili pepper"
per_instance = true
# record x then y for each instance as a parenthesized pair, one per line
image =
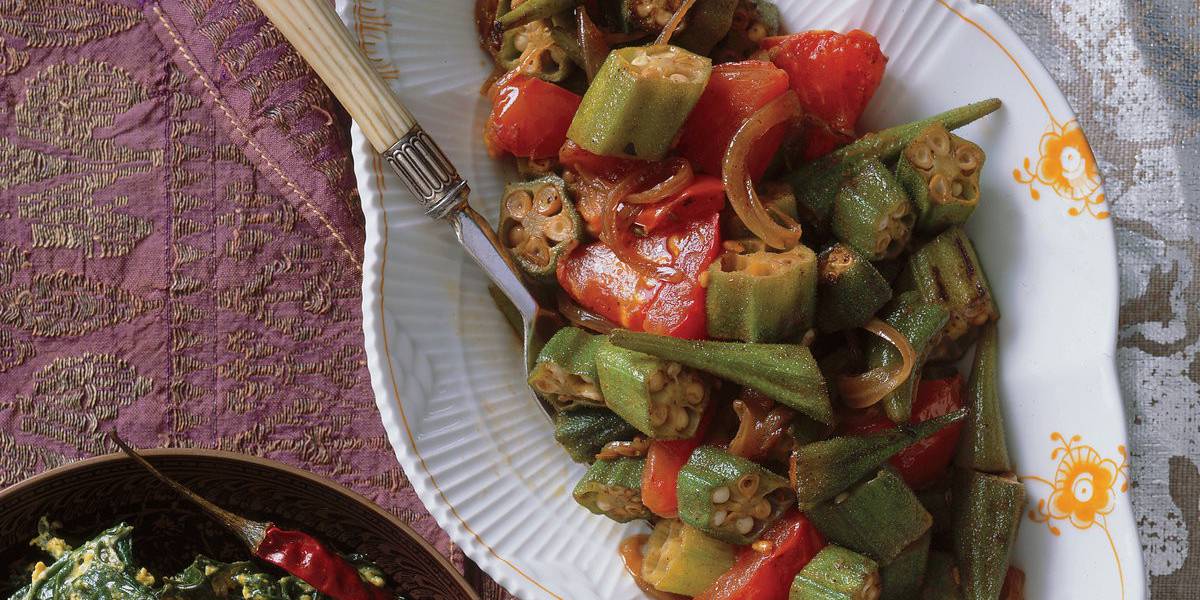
(664, 459)
(530, 117)
(768, 575)
(926, 461)
(308, 559)
(835, 75)
(735, 91)
(704, 196)
(597, 280)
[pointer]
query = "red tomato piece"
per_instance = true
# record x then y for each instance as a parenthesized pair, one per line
(529, 118)
(706, 195)
(926, 461)
(734, 93)
(835, 75)
(664, 459)
(768, 575)
(596, 279)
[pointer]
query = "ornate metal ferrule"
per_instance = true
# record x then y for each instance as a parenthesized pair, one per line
(428, 174)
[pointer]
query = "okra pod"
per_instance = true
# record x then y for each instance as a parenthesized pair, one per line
(786, 373)
(753, 20)
(921, 323)
(817, 183)
(708, 22)
(613, 488)
(681, 560)
(646, 16)
(565, 372)
(936, 499)
(983, 446)
(755, 295)
(540, 51)
(947, 271)
(584, 432)
(661, 398)
(826, 468)
(533, 10)
(871, 213)
(539, 225)
(776, 197)
(639, 100)
(837, 573)
(849, 289)
(729, 497)
(941, 578)
(879, 517)
(940, 171)
(902, 578)
(987, 512)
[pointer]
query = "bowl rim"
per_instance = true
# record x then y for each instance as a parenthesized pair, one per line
(117, 457)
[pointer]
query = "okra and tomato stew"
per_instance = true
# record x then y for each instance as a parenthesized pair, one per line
(765, 307)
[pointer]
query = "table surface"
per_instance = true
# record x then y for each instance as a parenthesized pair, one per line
(286, 339)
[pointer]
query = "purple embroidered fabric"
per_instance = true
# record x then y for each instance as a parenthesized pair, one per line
(180, 245)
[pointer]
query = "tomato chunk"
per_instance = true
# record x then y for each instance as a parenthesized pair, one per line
(767, 574)
(704, 196)
(529, 117)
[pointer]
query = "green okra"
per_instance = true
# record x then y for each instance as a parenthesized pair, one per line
(947, 271)
(844, 360)
(786, 373)
(753, 20)
(818, 183)
(940, 171)
(639, 101)
(902, 578)
(533, 10)
(728, 497)
(775, 196)
(613, 488)
(871, 212)
(565, 372)
(941, 578)
(680, 559)
(849, 289)
(755, 295)
(585, 431)
(983, 446)
(661, 398)
(539, 225)
(920, 323)
(879, 517)
(826, 468)
(987, 513)
(936, 499)
(837, 573)
(708, 22)
(539, 50)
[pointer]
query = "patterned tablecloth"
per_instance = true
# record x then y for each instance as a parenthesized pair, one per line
(180, 247)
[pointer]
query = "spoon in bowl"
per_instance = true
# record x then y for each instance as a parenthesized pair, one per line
(320, 37)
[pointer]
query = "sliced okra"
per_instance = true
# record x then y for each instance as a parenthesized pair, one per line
(921, 323)
(681, 560)
(528, 11)
(941, 578)
(585, 431)
(837, 573)
(940, 171)
(903, 576)
(879, 517)
(729, 497)
(639, 100)
(786, 373)
(648, 16)
(936, 499)
(565, 371)
(755, 295)
(947, 271)
(818, 182)
(539, 51)
(871, 213)
(708, 22)
(753, 20)
(983, 446)
(613, 488)
(826, 468)
(849, 289)
(987, 513)
(661, 398)
(538, 225)
(776, 196)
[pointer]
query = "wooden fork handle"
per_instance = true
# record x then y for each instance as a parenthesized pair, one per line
(320, 37)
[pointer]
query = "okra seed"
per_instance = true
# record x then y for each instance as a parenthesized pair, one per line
(718, 518)
(694, 392)
(744, 525)
(747, 485)
(939, 141)
(604, 504)
(559, 228)
(658, 415)
(662, 17)
(720, 495)
(517, 236)
(762, 510)
(518, 203)
(939, 188)
(657, 381)
(840, 498)
(957, 189)
(679, 419)
(673, 369)
(537, 250)
(756, 33)
(921, 156)
(640, 61)
(521, 41)
(549, 203)
(679, 78)
(968, 159)
(644, 9)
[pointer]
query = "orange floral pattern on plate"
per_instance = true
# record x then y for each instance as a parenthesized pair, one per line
(1067, 166)
(1084, 490)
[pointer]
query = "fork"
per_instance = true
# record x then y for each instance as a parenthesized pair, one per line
(319, 36)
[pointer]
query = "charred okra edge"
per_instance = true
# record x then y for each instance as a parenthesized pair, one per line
(729, 497)
(947, 271)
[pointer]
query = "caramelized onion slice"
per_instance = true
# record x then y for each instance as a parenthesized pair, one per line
(867, 389)
(616, 224)
(740, 188)
(681, 176)
(581, 317)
